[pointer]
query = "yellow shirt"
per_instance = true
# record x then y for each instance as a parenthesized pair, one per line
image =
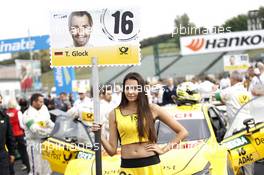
(127, 128)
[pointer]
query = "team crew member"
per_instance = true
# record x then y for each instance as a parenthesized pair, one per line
(133, 120)
(38, 126)
(82, 105)
(83, 100)
(233, 97)
(6, 140)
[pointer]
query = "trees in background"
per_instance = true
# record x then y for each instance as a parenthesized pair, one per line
(261, 16)
(238, 23)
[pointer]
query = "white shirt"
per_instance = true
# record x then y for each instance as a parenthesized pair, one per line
(79, 106)
(234, 97)
(257, 83)
(205, 89)
(83, 103)
(105, 109)
(225, 83)
(37, 123)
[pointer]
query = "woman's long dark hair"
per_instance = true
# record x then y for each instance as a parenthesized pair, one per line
(143, 110)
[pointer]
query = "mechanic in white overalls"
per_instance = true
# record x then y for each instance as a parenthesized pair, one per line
(82, 102)
(38, 126)
(234, 97)
(84, 108)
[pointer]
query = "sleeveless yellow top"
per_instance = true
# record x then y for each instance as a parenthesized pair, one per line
(127, 128)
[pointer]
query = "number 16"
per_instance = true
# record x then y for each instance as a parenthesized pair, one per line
(126, 24)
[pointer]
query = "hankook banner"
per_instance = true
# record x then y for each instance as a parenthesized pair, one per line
(223, 42)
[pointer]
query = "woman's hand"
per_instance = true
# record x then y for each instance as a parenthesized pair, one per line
(155, 148)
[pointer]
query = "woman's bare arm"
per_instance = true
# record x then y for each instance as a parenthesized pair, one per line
(166, 118)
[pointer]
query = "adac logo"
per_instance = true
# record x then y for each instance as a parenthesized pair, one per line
(196, 44)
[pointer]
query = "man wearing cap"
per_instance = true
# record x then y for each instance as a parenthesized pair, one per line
(83, 99)
(83, 102)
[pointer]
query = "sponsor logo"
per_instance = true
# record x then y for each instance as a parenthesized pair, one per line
(225, 42)
(86, 116)
(123, 50)
(196, 44)
(83, 155)
(237, 142)
(245, 159)
(259, 141)
(17, 45)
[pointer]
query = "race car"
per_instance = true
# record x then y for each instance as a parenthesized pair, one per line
(209, 148)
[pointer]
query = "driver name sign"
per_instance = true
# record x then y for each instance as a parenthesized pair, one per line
(110, 35)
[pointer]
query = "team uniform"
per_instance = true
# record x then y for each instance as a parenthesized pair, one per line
(205, 89)
(127, 129)
(234, 97)
(82, 109)
(83, 103)
(38, 126)
(80, 105)
(257, 84)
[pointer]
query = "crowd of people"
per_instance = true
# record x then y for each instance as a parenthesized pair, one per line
(25, 122)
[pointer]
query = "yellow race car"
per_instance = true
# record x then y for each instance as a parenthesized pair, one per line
(209, 148)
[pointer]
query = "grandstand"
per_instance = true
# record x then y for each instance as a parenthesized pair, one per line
(170, 66)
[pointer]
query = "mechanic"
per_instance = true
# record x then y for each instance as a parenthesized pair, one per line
(83, 99)
(38, 126)
(234, 96)
(83, 104)
(6, 140)
(133, 120)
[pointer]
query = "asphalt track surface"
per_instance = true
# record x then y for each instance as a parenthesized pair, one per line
(259, 168)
